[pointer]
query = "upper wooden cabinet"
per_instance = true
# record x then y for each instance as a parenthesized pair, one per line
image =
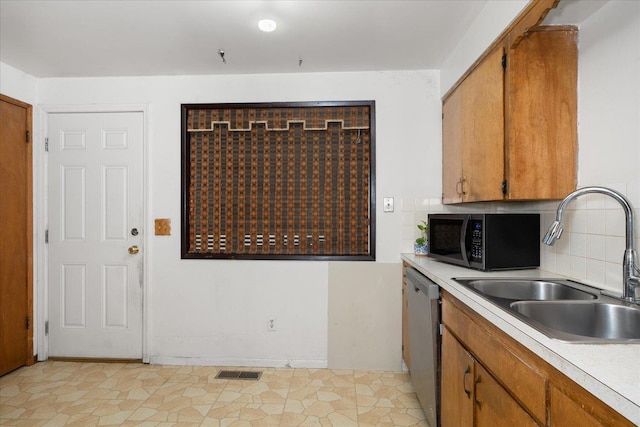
(510, 125)
(473, 135)
(541, 115)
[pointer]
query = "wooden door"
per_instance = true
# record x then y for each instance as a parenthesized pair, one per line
(456, 398)
(452, 125)
(483, 130)
(541, 101)
(494, 407)
(16, 235)
(564, 411)
(581, 408)
(96, 201)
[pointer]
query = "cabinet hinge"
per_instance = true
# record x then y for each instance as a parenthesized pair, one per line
(46, 236)
(504, 60)
(28, 135)
(440, 328)
(46, 327)
(504, 187)
(46, 144)
(28, 322)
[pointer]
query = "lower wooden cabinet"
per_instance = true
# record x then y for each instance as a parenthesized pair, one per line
(494, 406)
(564, 411)
(456, 401)
(489, 379)
(473, 397)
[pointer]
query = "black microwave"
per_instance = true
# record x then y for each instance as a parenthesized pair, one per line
(486, 241)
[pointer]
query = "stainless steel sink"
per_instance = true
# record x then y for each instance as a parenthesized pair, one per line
(562, 309)
(522, 289)
(583, 321)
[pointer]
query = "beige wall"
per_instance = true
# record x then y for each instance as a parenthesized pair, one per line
(365, 316)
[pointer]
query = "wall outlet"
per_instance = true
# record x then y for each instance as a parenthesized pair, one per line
(271, 324)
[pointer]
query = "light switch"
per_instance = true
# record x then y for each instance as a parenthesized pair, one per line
(387, 203)
(163, 227)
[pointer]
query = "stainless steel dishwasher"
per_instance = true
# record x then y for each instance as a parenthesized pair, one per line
(423, 304)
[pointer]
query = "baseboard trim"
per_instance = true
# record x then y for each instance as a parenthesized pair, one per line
(92, 360)
(223, 362)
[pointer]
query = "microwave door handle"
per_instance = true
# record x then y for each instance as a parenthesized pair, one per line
(463, 240)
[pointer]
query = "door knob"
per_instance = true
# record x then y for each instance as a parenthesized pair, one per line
(134, 249)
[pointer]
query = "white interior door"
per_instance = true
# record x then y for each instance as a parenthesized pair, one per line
(95, 192)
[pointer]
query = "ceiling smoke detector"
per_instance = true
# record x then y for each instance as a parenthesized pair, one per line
(267, 25)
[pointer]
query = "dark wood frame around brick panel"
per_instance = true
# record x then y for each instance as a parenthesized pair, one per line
(291, 180)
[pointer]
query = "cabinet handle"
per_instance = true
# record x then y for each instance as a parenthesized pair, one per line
(464, 179)
(478, 381)
(464, 382)
(459, 186)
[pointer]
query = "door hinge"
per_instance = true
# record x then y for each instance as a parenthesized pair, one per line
(440, 328)
(46, 144)
(504, 60)
(46, 236)
(28, 136)
(28, 322)
(46, 327)
(504, 187)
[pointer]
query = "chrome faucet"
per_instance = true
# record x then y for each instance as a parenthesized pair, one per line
(630, 273)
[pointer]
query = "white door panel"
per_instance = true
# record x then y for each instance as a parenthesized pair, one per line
(95, 201)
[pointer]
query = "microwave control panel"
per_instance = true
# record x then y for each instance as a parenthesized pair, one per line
(476, 241)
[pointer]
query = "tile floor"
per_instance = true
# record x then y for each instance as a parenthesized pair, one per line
(87, 394)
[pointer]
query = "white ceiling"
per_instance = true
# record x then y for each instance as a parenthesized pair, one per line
(134, 38)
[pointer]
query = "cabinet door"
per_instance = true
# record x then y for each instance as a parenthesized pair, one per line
(590, 412)
(483, 130)
(452, 147)
(563, 411)
(542, 115)
(494, 407)
(456, 394)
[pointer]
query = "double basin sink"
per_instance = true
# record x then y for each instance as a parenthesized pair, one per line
(562, 309)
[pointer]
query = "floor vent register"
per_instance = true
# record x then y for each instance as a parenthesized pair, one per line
(239, 375)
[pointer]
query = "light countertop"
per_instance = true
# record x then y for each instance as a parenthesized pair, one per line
(611, 372)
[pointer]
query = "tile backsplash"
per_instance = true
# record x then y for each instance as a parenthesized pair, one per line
(591, 248)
